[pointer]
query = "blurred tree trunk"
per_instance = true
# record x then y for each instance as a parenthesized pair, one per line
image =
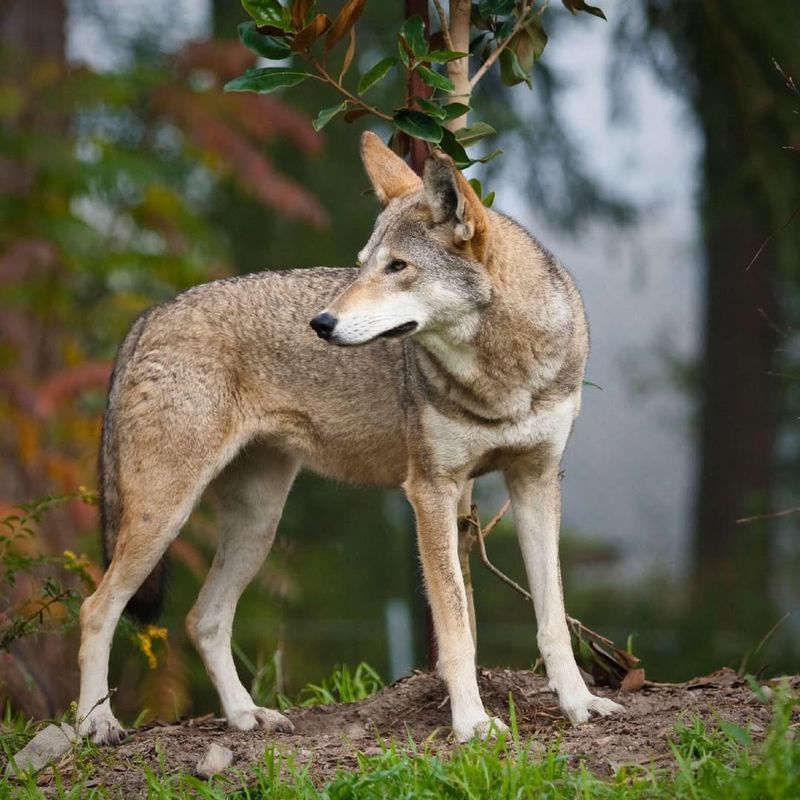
(748, 192)
(38, 28)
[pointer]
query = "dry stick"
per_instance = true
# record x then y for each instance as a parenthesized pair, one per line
(520, 24)
(785, 513)
(481, 535)
(109, 695)
(443, 24)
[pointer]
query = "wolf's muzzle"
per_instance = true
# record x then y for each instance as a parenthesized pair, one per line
(323, 325)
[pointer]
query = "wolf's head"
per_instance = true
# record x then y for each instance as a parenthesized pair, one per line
(424, 267)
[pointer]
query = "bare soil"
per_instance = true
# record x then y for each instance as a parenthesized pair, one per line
(328, 738)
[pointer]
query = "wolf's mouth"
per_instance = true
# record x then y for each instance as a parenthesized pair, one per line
(400, 330)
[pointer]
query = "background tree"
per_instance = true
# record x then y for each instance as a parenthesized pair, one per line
(725, 54)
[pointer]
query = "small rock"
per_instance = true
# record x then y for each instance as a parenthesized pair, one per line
(69, 732)
(215, 760)
(50, 744)
(372, 751)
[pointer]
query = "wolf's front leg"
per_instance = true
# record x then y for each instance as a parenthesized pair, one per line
(435, 505)
(536, 500)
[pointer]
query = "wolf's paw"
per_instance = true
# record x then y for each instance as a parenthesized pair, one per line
(102, 727)
(484, 727)
(265, 718)
(579, 710)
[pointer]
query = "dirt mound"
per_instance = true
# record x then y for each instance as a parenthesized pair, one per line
(329, 737)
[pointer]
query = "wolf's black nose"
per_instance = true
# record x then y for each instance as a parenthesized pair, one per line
(323, 325)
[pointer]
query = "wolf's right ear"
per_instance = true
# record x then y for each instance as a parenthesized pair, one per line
(391, 177)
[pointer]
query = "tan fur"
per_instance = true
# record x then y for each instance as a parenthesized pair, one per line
(227, 387)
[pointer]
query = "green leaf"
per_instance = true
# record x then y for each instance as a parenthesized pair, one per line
(418, 125)
(488, 201)
(443, 56)
(413, 31)
(573, 6)
(455, 149)
(511, 71)
(453, 110)
(327, 114)
(474, 133)
(266, 79)
(484, 159)
(374, 74)
(476, 185)
(269, 12)
(431, 108)
(273, 47)
(434, 79)
(736, 732)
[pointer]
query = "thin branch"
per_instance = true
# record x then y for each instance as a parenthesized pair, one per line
(326, 77)
(443, 23)
(771, 237)
(785, 513)
(578, 628)
(495, 54)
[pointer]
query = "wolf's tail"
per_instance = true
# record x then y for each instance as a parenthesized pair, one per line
(146, 604)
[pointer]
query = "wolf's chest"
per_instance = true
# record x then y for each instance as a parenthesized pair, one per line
(459, 443)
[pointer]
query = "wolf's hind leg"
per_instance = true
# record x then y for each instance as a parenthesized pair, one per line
(141, 544)
(250, 494)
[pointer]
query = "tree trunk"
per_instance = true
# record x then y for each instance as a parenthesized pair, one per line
(38, 28)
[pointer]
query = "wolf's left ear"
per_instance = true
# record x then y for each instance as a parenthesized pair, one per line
(451, 199)
(391, 177)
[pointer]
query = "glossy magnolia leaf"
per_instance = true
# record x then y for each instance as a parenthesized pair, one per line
(273, 47)
(348, 56)
(455, 110)
(374, 74)
(405, 51)
(573, 6)
(529, 44)
(488, 157)
(269, 12)
(300, 10)
(434, 79)
(474, 133)
(454, 149)
(429, 107)
(418, 125)
(413, 32)
(311, 32)
(345, 20)
(266, 79)
(511, 71)
(327, 114)
(443, 56)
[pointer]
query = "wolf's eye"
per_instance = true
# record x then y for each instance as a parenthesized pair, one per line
(396, 265)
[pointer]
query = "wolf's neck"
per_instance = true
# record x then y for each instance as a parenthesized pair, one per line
(459, 366)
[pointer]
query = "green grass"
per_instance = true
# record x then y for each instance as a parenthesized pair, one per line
(717, 762)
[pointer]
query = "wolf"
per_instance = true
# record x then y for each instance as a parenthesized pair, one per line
(456, 347)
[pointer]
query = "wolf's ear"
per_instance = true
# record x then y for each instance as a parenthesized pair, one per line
(451, 199)
(391, 177)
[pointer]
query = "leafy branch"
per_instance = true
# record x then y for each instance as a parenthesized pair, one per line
(508, 32)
